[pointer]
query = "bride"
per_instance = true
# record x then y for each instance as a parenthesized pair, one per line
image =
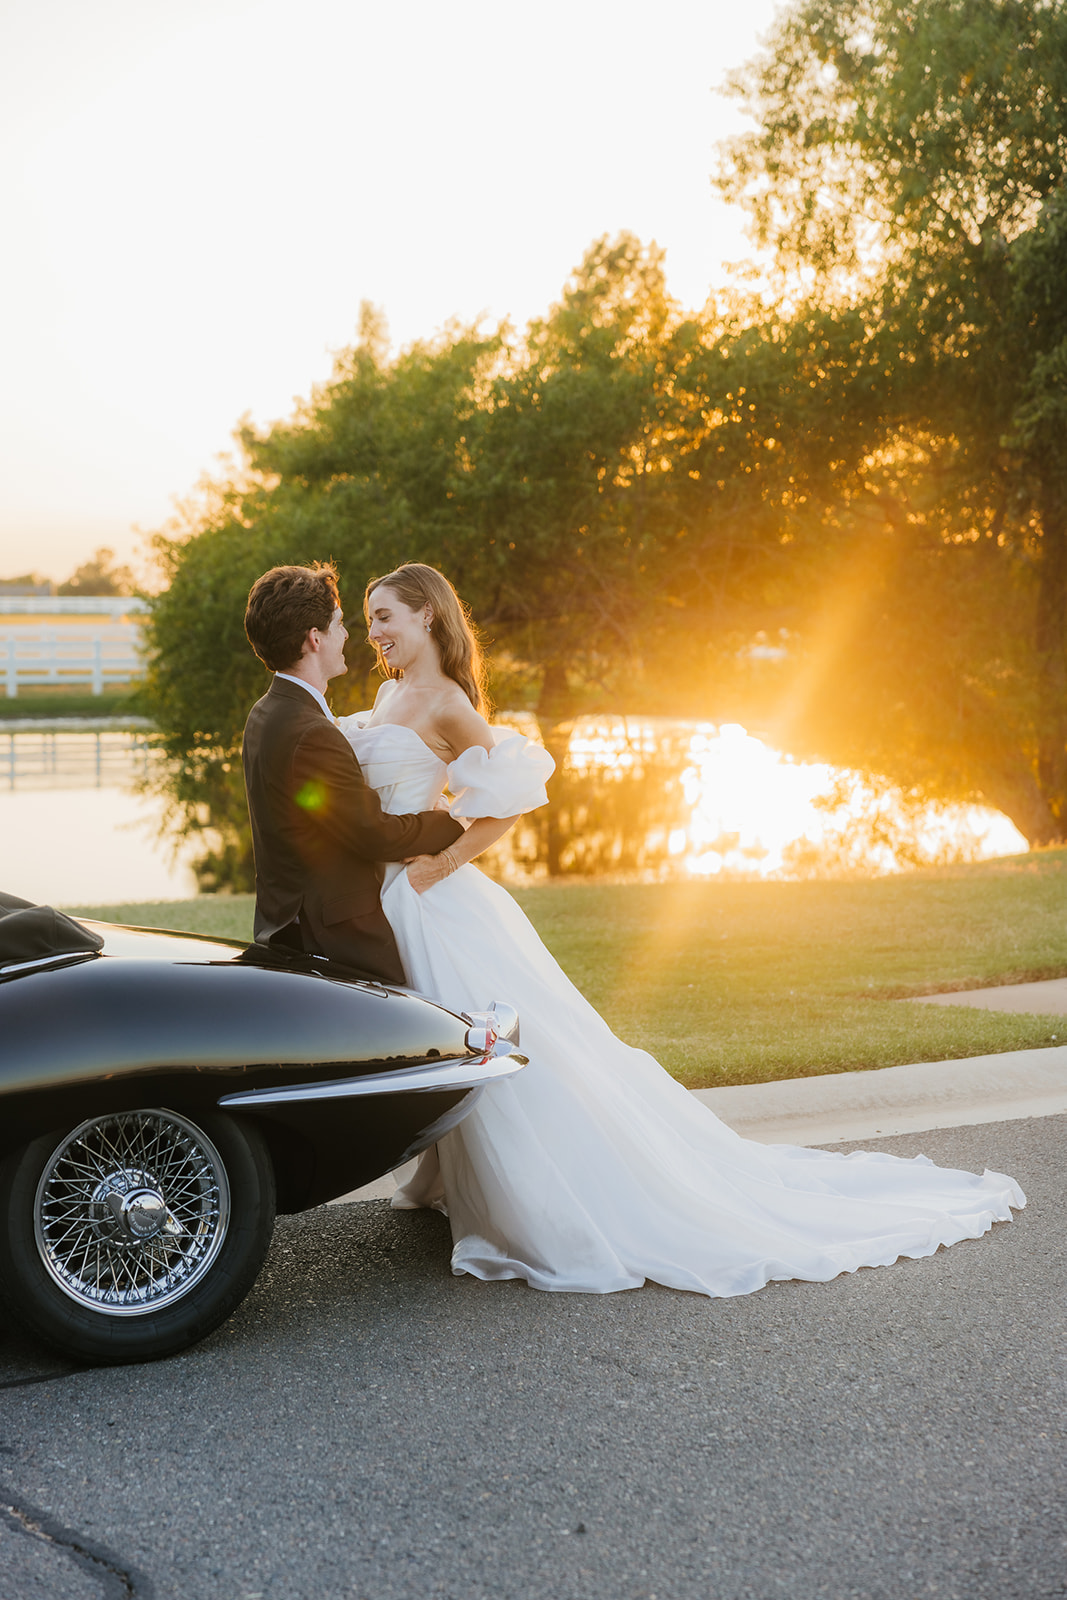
(593, 1169)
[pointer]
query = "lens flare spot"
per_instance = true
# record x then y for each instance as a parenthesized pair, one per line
(311, 796)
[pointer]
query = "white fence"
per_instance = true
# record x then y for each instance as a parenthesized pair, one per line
(70, 655)
(69, 605)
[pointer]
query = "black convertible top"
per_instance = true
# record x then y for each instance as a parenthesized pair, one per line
(34, 933)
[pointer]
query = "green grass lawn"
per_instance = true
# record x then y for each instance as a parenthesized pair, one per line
(44, 702)
(745, 982)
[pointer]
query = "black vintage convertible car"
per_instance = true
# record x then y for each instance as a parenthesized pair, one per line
(162, 1095)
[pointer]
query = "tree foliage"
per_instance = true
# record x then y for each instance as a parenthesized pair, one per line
(908, 170)
(99, 576)
(541, 474)
(901, 137)
(867, 463)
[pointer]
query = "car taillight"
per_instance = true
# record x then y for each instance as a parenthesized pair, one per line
(482, 1033)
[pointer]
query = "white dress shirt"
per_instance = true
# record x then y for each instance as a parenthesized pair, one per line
(316, 694)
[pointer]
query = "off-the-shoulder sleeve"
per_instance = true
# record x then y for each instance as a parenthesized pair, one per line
(501, 782)
(358, 719)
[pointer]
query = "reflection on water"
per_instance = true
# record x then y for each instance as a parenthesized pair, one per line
(656, 798)
(643, 797)
(57, 758)
(617, 800)
(72, 829)
(757, 811)
(86, 846)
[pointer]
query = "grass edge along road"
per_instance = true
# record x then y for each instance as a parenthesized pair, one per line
(748, 982)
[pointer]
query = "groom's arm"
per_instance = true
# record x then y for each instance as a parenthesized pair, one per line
(332, 794)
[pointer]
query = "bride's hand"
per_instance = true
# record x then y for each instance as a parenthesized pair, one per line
(425, 871)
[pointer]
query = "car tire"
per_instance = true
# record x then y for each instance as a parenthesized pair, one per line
(131, 1236)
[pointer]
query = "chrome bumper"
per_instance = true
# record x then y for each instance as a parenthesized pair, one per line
(465, 1073)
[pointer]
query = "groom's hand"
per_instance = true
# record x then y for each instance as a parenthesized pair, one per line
(425, 871)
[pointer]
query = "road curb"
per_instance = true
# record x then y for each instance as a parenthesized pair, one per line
(840, 1106)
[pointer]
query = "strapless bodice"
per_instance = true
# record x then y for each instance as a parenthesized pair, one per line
(405, 772)
(409, 776)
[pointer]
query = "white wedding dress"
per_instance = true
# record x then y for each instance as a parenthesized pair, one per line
(593, 1169)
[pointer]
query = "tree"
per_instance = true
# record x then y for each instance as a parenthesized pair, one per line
(27, 583)
(537, 472)
(907, 170)
(100, 576)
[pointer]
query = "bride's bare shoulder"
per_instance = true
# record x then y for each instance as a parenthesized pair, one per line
(460, 726)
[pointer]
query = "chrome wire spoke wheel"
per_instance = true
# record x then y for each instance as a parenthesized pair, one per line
(131, 1211)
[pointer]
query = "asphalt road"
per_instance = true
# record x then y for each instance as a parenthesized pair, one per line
(369, 1428)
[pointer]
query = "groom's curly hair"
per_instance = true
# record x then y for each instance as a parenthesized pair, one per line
(284, 605)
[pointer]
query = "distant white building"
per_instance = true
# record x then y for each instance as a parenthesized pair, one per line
(8, 586)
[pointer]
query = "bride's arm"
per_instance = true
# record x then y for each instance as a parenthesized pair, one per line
(425, 871)
(462, 729)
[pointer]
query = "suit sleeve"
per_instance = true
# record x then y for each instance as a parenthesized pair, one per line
(333, 795)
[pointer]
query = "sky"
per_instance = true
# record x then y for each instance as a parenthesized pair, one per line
(197, 198)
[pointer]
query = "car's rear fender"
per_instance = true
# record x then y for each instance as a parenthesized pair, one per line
(103, 1019)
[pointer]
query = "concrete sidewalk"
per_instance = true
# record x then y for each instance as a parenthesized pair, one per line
(841, 1106)
(1045, 998)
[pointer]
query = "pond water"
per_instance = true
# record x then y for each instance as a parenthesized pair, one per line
(701, 801)
(73, 829)
(655, 798)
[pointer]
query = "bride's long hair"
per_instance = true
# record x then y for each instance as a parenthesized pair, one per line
(418, 585)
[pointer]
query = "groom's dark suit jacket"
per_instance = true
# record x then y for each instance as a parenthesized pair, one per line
(317, 831)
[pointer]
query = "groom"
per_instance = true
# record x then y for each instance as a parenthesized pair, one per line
(317, 827)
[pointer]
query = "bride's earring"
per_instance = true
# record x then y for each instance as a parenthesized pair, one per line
(429, 626)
